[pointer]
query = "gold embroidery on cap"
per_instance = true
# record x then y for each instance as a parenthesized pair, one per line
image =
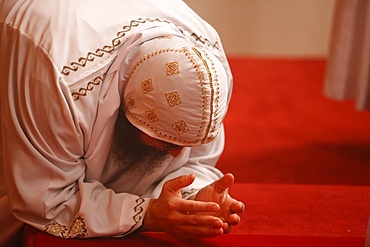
(147, 86)
(216, 99)
(180, 127)
(131, 103)
(173, 98)
(172, 68)
(151, 115)
(211, 110)
(167, 37)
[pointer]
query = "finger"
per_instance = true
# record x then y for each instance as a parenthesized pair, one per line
(202, 220)
(224, 183)
(206, 232)
(237, 207)
(177, 183)
(197, 231)
(226, 228)
(233, 219)
(190, 206)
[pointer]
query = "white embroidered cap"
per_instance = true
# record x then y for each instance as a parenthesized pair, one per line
(176, 92)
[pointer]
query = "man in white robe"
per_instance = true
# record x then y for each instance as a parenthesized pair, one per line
(64, 69)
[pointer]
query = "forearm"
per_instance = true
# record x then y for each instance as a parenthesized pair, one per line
(82, 211)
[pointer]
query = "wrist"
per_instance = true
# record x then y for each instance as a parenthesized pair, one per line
(149, 218)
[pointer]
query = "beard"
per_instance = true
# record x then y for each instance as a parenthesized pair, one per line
(129, 153)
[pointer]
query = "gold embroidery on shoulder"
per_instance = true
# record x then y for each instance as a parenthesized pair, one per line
(76, 230)
(90, 56)
(205, 41)
(90, 86)
(99, 52)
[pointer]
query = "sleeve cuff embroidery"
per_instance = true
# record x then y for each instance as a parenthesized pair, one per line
(76, 230)
(190, 193)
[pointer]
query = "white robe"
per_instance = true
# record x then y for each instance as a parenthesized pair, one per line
(62, 64)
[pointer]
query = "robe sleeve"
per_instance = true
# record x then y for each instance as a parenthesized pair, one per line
(43, 149)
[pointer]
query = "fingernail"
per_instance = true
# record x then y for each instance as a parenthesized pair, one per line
(218, 224)
(219, 231)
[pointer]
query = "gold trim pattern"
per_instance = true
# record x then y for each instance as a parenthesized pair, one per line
(76, 230)
(137, 217)
(186, 194)
(216, 93)
(151, 115)
(90, 86)
(205, 41)
(147, 85)
(131, 103)
(100, 52)
(172, 68)
(211, 110)
(173, 98)
(180, 127)
(167, 37)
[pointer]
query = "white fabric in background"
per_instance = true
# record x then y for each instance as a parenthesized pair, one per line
(348, 67)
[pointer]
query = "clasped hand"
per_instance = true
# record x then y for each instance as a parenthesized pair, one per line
(213, 211)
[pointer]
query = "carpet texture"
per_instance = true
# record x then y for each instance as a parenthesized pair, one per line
(281, 129)
(301, 162)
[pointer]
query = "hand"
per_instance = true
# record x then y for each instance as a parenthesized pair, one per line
(229, 207)
(179, 217)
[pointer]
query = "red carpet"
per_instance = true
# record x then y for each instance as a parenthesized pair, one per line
(281, 129)
(301, 161)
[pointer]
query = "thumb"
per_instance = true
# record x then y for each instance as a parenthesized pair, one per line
(224, 183)
(177, 183)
